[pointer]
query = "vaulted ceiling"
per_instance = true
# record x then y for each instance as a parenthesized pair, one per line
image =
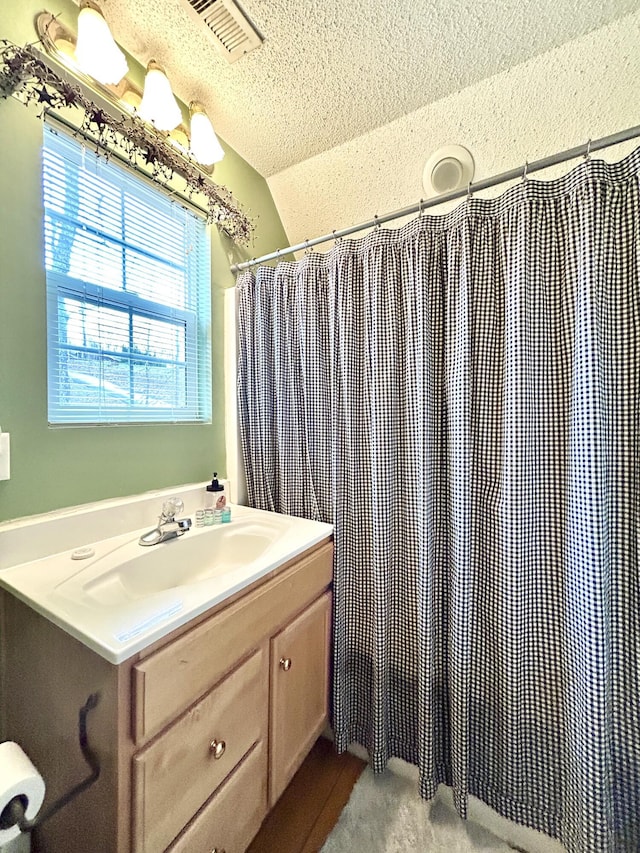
(329, 71)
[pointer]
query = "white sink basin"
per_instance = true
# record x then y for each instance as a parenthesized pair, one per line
(125, 596)
(133, 571)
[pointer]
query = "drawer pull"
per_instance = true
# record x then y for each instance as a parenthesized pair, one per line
(217, 747)
(218, 850)
(285, 664)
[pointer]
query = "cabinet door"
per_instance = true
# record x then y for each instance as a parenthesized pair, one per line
(299, 691)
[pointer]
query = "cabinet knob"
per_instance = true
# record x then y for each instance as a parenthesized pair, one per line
(285, 664)
(217, 747)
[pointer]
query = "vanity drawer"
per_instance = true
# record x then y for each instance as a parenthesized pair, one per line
(170, 679)
(233, 816)
(176, 774)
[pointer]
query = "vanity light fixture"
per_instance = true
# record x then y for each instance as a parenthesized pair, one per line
(159, 106)
(96, 52)
(205, 145)
(86, 107)
(156, 105)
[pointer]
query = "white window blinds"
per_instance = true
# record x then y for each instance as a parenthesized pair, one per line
(128, 294)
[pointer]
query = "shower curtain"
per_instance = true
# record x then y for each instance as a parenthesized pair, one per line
(460, 397)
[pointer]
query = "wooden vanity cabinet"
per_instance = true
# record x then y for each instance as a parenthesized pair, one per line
(197, 736)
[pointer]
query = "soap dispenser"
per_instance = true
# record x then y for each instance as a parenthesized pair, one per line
(216, 497)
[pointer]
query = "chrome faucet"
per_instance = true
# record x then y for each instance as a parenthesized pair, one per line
(168, 527)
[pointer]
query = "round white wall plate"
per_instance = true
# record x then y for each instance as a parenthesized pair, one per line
(447, 169)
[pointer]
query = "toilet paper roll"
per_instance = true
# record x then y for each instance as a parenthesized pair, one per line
(18, 778)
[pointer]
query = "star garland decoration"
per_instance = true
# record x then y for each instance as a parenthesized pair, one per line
(26, 75)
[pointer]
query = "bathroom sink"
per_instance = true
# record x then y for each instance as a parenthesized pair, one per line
(117, 596)
(132, 571)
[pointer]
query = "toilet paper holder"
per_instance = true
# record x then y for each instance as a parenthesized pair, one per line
(13, 813)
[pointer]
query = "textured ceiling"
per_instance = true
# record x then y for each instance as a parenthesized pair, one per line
(330, 71)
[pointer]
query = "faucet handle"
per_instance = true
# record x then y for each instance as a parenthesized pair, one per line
(172, 507)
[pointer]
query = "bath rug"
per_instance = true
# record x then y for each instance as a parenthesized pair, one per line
(385, 814)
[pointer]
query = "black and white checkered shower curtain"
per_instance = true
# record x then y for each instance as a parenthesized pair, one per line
(461, 397)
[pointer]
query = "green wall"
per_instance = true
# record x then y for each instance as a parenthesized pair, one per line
(52, 468)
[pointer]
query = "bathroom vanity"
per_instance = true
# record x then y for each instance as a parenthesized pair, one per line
(197, 732)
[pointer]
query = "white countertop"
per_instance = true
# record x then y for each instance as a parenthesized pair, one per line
(124, 597)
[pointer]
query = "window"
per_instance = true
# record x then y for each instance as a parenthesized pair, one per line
(128, 294)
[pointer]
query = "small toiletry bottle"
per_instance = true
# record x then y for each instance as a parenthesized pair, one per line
(226, 514)
(215, 490)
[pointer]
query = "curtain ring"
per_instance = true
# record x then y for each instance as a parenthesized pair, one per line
(587, 153)
(420, 207)
(524, 171)
(377, 224)
(307, 246)
(469, 191)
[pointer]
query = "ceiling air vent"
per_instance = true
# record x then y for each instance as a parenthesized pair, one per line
(231, 30)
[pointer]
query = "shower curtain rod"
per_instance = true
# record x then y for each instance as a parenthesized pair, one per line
(503, 177)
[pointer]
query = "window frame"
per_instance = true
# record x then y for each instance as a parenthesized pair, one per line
(196, 321)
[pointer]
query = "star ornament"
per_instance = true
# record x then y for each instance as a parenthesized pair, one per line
(98, 117)
(45, 97)
(70, 96)
(150, 155)
(15, 64)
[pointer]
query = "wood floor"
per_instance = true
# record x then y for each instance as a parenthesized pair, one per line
(308, 810)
